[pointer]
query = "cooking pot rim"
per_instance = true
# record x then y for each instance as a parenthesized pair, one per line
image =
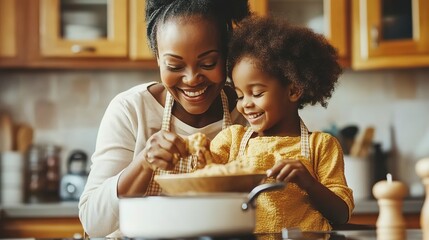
(196, 195)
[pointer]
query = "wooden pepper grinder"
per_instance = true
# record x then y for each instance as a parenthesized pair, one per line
(422, 169)
(390, 222)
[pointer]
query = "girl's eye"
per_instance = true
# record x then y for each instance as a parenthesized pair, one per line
(239, 98)
(258, 94)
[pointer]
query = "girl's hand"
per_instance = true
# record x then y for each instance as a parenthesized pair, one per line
(290, 170)
(163, 150)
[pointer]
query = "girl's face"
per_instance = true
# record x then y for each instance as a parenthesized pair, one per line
(191, 62)
(262, 99)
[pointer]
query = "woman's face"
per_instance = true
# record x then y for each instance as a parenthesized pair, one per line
(191, 62)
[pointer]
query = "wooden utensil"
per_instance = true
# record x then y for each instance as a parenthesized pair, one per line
(362, 145)
(24, 138)
(6, 133)
(348, 136)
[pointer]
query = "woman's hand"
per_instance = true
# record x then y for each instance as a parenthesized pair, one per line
(163, 150)
(160, 151)
(290, 170)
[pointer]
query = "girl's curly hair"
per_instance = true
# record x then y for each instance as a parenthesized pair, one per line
(292, 54)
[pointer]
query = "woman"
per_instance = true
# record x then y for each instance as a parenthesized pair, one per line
(142, 131)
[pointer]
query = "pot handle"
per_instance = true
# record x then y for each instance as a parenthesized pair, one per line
(260, 189)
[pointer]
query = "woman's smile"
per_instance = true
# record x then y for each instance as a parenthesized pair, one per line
(194, 93)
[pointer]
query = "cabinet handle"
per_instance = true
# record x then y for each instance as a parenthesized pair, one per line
(80, 49)
(375, 36)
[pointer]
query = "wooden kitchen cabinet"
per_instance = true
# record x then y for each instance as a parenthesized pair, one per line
(12, 43)
(57, 36)
(390, 34)
(41, 228)
(76, 28)
(52, 40)
(328, 17)
(139, 44)
(259, 7)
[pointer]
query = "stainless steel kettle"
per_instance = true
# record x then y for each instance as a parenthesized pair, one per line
(73, 183)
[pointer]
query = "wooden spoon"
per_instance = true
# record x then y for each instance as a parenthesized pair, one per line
(6, 133)
(24, 138)
(362, 145)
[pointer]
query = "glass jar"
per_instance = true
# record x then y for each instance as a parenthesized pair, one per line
(52, 161)
(35, 177)
(42, 178)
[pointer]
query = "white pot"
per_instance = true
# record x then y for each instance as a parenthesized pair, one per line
(190, 216)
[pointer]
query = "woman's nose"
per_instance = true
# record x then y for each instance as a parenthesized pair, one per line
(192, 78)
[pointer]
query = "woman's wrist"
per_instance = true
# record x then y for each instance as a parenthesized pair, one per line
(135, 179)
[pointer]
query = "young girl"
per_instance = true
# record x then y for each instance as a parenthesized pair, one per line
(277, 69)
(143, 128)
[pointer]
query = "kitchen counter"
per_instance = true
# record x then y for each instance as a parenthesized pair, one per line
(332, 235)
(371, 206)
(70, 209)
(59, 209)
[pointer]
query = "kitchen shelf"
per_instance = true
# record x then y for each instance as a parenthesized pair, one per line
(84, 2)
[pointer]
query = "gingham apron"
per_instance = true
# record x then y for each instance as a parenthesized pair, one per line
(305, 146)
(188, 164)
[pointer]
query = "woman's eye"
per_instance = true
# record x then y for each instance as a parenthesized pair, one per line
(239, 98)
(208, 66)
(173, 68)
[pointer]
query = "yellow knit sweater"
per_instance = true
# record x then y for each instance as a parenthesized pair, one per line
(290, 207)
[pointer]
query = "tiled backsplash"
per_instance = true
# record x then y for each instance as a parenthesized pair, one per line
(66, 107)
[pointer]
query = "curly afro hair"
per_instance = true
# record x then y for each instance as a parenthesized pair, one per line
(291, 54)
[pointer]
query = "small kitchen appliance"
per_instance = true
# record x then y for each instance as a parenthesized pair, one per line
(73, 183)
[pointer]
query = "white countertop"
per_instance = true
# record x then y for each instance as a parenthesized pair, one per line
(371, 206)
(56, 209)
(70, 209)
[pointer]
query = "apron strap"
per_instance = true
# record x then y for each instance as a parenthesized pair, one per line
(244, 141)
(166, 117)
(305, 146)
(226, 121)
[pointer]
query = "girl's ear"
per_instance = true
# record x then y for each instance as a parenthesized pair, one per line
(294, 92)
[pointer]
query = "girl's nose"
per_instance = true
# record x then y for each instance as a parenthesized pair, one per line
(246, 102)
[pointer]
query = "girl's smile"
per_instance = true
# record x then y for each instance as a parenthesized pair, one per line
(253, 118)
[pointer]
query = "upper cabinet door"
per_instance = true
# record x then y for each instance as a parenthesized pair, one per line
(83, 28)
(8, 28)
(139, 45)
(390, 33)
(259, 7)
(11, 32)
(327, 17)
